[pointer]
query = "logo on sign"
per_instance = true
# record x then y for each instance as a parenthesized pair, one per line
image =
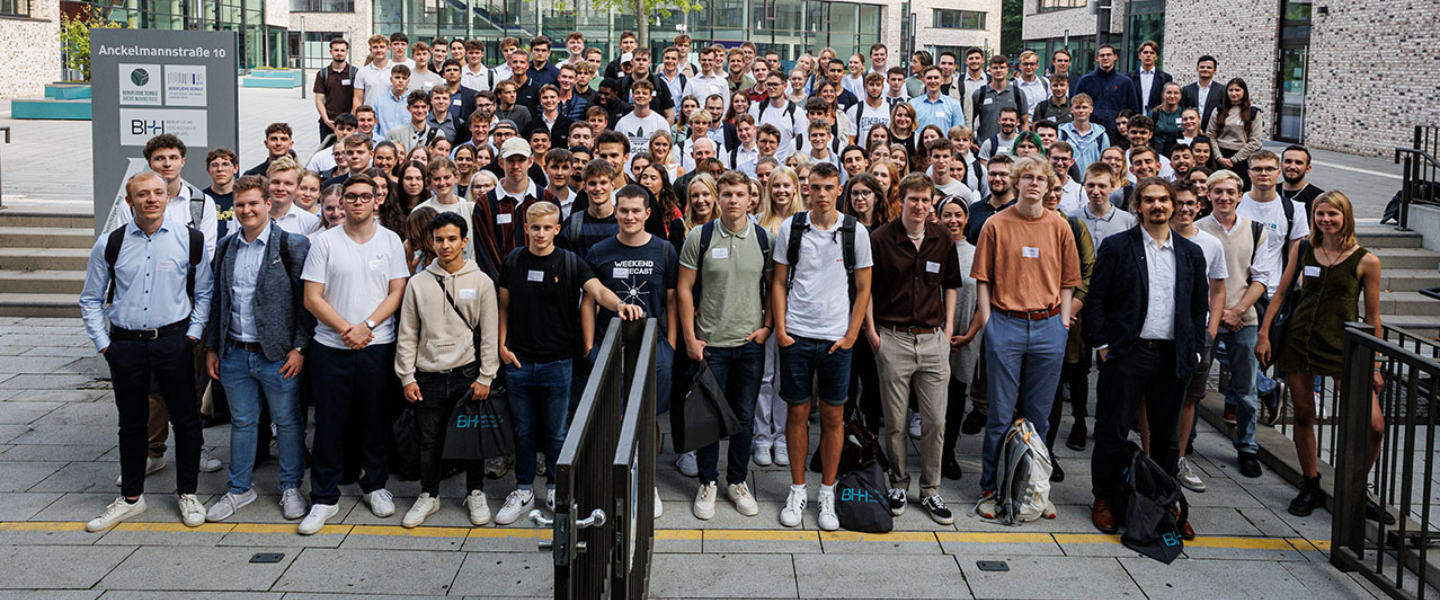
(140, 77)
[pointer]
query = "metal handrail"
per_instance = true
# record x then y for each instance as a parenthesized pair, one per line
(1416, 158)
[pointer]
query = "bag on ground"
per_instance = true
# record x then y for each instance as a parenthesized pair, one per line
(482, 429)
(705, 417)
(859, 446)
(1150, 528)
(1023, 477)
(860, 501)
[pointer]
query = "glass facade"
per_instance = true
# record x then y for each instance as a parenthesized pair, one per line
(1294, 67)
(1082, 52)
(790, 27)
(1144, 21)
(259, 45)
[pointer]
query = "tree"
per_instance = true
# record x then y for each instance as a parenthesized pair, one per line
(74, 37)
(1012, 23)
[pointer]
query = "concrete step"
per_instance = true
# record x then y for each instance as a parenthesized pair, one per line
(46, 237)
(39, 259)
(39, 305)
(269, 82)
(47, 217)
(1407, 304)
(50, 109)
(1385, 236)
(1408, 258)
(67, 91)
(1409, 280)
(41, 282)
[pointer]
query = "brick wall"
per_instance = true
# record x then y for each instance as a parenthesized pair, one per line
(1242, 35)
(30, 51)
(927, 35)
(1040, 26)
(1373, 75)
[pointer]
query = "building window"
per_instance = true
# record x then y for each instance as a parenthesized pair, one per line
(15, 8)
(321, 6)
(959, 19)
(1051, 5)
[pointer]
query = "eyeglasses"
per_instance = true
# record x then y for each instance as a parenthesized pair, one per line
(359, 198)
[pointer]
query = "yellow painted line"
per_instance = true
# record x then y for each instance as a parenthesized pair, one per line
(498, 533)
(266, 528)
(1087, 538)
(1239, 543)
(48, 526)
(995, 538)
(761, 535)
(391, 530)
(894, 536)
(1304, 544)
(175, 527)
(678, 534)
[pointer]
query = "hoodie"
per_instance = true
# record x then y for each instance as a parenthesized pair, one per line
(431, 337)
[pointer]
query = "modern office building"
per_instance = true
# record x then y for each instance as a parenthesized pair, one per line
(1369, 59)
(292, 33)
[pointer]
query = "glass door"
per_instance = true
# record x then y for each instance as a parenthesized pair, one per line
(1290, 124)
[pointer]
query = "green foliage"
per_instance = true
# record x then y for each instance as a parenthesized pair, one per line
(75, 37)
(1012, 15)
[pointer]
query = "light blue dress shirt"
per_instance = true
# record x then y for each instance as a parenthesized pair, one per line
(390, 112)
(249, 257)
(945, 112)
(150, 276)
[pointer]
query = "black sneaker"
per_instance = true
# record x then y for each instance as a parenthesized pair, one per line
(974, 423)
(950, 468)
(1076, 440)
(1373, 512)
(1308, 499)
(1249, 464)
(935, 505)
(1057, 474)
(1229, 414)
(896, 498)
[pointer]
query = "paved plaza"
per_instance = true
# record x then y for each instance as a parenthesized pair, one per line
(58, 463)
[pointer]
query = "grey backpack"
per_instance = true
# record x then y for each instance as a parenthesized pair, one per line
(1023, 476)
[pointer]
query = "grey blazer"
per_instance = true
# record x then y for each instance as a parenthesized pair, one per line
(281, 318)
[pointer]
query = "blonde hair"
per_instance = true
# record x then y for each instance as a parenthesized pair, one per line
(769, 218)
(540, 209)
(1341, 202)
(1032, 163)
(691, 219)
(476, 177)
(282, 164)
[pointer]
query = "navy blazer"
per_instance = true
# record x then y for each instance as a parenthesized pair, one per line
(1157, 89)
(280, 315)
(1190, 98)
(1116, 304)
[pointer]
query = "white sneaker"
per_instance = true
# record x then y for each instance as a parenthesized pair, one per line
(517, 504)
(382, 503)
(704, 507)
(192, 512)
(550, 500)
(659, 507)
(915, 425)
(292, 504)
(761, 456)
(152, 464)
(208, 463)
(118, 511)
(744, 503)
(424, 506)
(687, 465)
(227, 505)
(315, 521)
(794, 510)
(828, 521)
(1186, 474)
(479, 508)
(782, 455)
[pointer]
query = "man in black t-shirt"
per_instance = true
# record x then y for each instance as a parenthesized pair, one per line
(1294, 166)
(540, 325)
(222, 165)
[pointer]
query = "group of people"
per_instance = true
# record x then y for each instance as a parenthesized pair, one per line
(878, 243)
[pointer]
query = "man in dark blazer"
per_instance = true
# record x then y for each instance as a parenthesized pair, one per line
(1214, 91)
(1145, 314)
(1148, 54)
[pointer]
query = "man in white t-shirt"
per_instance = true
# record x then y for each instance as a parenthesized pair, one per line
(354, 280)
(1264, 205)
(779, 112)
(1072, 194)
(872, 111)
(817, 322)
(641, 122)
(941, 153)
(1182, 223)
(373, 79)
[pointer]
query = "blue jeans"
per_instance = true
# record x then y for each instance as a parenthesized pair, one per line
(244, 374)
(539, 396)
(809, 359)
(1244, 375)
(1022, 365)
(738, 370)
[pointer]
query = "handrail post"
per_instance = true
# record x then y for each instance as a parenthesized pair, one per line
(1351, 449)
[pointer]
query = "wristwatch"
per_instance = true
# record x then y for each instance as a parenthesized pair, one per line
(370, 324)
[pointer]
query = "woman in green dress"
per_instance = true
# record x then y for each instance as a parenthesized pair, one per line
(1332, 270)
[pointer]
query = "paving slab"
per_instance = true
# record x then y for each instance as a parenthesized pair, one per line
(153, 595)
(1189, 579)
(54, 452)
(283, 535)
(20, 413)
(1220, 521)
(99, 478)
(135, 533)
(34, 364)
(879, 576)
(738, 541)
(371, 571)
(392, 537)
(24, 475)
(12, 431)
(513, 575)
(1049, 578)
(713, 576)
(1000, 544)
(75, 567)
(895, 542)
(19, 506)
(41, 433)
(223, 569)
(50, 594)
(34, 381)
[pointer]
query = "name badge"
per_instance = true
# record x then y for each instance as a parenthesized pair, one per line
(989, 101)
(932, 266)
(720, 253)
(1030, 252)
(536, 276)
(344, 82)
(467, 294)
(165, 266)
(620, 273)
(377, 264)
(1312, 271)
(504, 219)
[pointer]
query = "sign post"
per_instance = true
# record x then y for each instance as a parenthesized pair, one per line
(146, 82)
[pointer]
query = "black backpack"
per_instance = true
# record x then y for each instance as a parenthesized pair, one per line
(112, 254)
(1150, 528)
(860, 503)
(799, 224)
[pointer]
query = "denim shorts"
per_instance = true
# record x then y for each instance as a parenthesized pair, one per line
(809, 361)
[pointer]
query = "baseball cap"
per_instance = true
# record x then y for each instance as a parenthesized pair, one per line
(514, 147)
(626, 57)
(504, 123)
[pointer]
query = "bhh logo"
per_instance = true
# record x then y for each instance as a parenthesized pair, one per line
(1170, 539)
(144, 127)
(476, 421)
(856, 495)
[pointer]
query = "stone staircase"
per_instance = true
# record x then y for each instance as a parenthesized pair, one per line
(43, 252)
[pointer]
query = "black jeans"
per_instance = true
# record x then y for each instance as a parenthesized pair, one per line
(865, 386)
(1142, 373)
(170, 363)
(438, 395)
(954, 414)
(1076, 377)
(351, 385)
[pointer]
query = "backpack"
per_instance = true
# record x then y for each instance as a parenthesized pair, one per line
(789, 111)
(349, 74)
(1023, 476)
(860, 503)
(117, 239)
(1150, 528)
(799, 224)
(707, 233)
(859, 447)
